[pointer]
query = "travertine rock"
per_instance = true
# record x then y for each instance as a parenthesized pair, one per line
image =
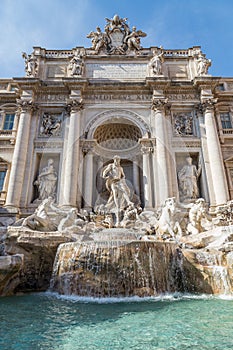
(10, 268)
(39, 250)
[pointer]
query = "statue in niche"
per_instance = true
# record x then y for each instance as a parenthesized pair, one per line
(31, 64)
(120, 193)
(203, 64)
(156, 63)
(76, 65)
(188, 177)
(50, 125)
(46, 181)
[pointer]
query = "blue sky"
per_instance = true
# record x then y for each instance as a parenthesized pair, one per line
(64, 24)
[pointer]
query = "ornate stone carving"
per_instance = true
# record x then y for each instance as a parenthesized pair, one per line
(199, 219)
(76, 64)
(167, 225)
(117, 37)
(183, 124)
(51, 125)
(46, 181)
(188, 176)
(31, 64)
(48, 217)
(88, 146)
(158, 104)
(207, 104)
(147, 145)
(25, 105)
(224, 214)
(156, 62)
(120, 196)
(74, 104)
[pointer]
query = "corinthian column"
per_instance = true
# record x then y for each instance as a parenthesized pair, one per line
(158, 116)
(88, 149)
(147, 186)
(70, 188)
(20, 154)
(220, 193)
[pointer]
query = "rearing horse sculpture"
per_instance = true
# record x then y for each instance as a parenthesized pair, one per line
(167, 223)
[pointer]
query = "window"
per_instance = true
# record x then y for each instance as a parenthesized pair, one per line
(221, 87)
(226, 120)
(8, 122)
(2, 178)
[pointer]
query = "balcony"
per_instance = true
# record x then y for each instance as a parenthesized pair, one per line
(227, 131)
(8, 135)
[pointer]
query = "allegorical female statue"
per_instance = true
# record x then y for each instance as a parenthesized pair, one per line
(188, 177)
(46, 181)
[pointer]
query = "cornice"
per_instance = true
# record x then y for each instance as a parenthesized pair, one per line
(206, 82)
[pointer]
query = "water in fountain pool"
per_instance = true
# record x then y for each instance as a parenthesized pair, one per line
(47, 321)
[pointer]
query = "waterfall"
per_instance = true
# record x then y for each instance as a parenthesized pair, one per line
(116, 268)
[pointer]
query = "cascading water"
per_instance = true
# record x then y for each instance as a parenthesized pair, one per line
(115, 268)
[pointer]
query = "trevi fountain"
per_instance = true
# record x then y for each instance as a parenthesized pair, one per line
(145, 244)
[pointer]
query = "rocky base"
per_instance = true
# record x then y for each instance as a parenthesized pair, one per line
(38, 250)
(115, 262)
(10, 272)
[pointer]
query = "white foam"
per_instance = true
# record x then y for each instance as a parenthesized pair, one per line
(133, 299)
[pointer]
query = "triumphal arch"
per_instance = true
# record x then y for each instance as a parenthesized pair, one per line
(159, 110)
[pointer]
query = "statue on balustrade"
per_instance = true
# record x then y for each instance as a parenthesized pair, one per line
(99, 40)
(75, 66)
(133, 39)
(188, 180)
(31, 64)
(46, 181)
(156, 63)
(203, 65)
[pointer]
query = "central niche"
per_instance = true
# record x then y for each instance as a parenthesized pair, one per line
(117, 136)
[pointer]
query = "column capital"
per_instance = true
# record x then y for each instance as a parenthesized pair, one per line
(74, 105)
(159, 104)
(147, 145)
(25, 105)
(88, 146)
(207, 105)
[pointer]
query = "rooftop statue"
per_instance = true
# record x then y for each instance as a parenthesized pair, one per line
(203, 64)
(117, 38)
(156, 62)
(31, 64)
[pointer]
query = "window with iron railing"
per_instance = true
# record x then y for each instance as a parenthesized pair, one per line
(226, 120)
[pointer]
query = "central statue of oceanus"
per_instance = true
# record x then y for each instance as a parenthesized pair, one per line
(116, 185)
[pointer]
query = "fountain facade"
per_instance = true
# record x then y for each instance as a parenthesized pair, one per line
(119, 163)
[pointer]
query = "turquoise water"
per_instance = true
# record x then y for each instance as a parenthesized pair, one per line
(44, 321)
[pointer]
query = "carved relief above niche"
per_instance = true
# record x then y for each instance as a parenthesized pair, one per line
(183, 124)
(50, 125)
